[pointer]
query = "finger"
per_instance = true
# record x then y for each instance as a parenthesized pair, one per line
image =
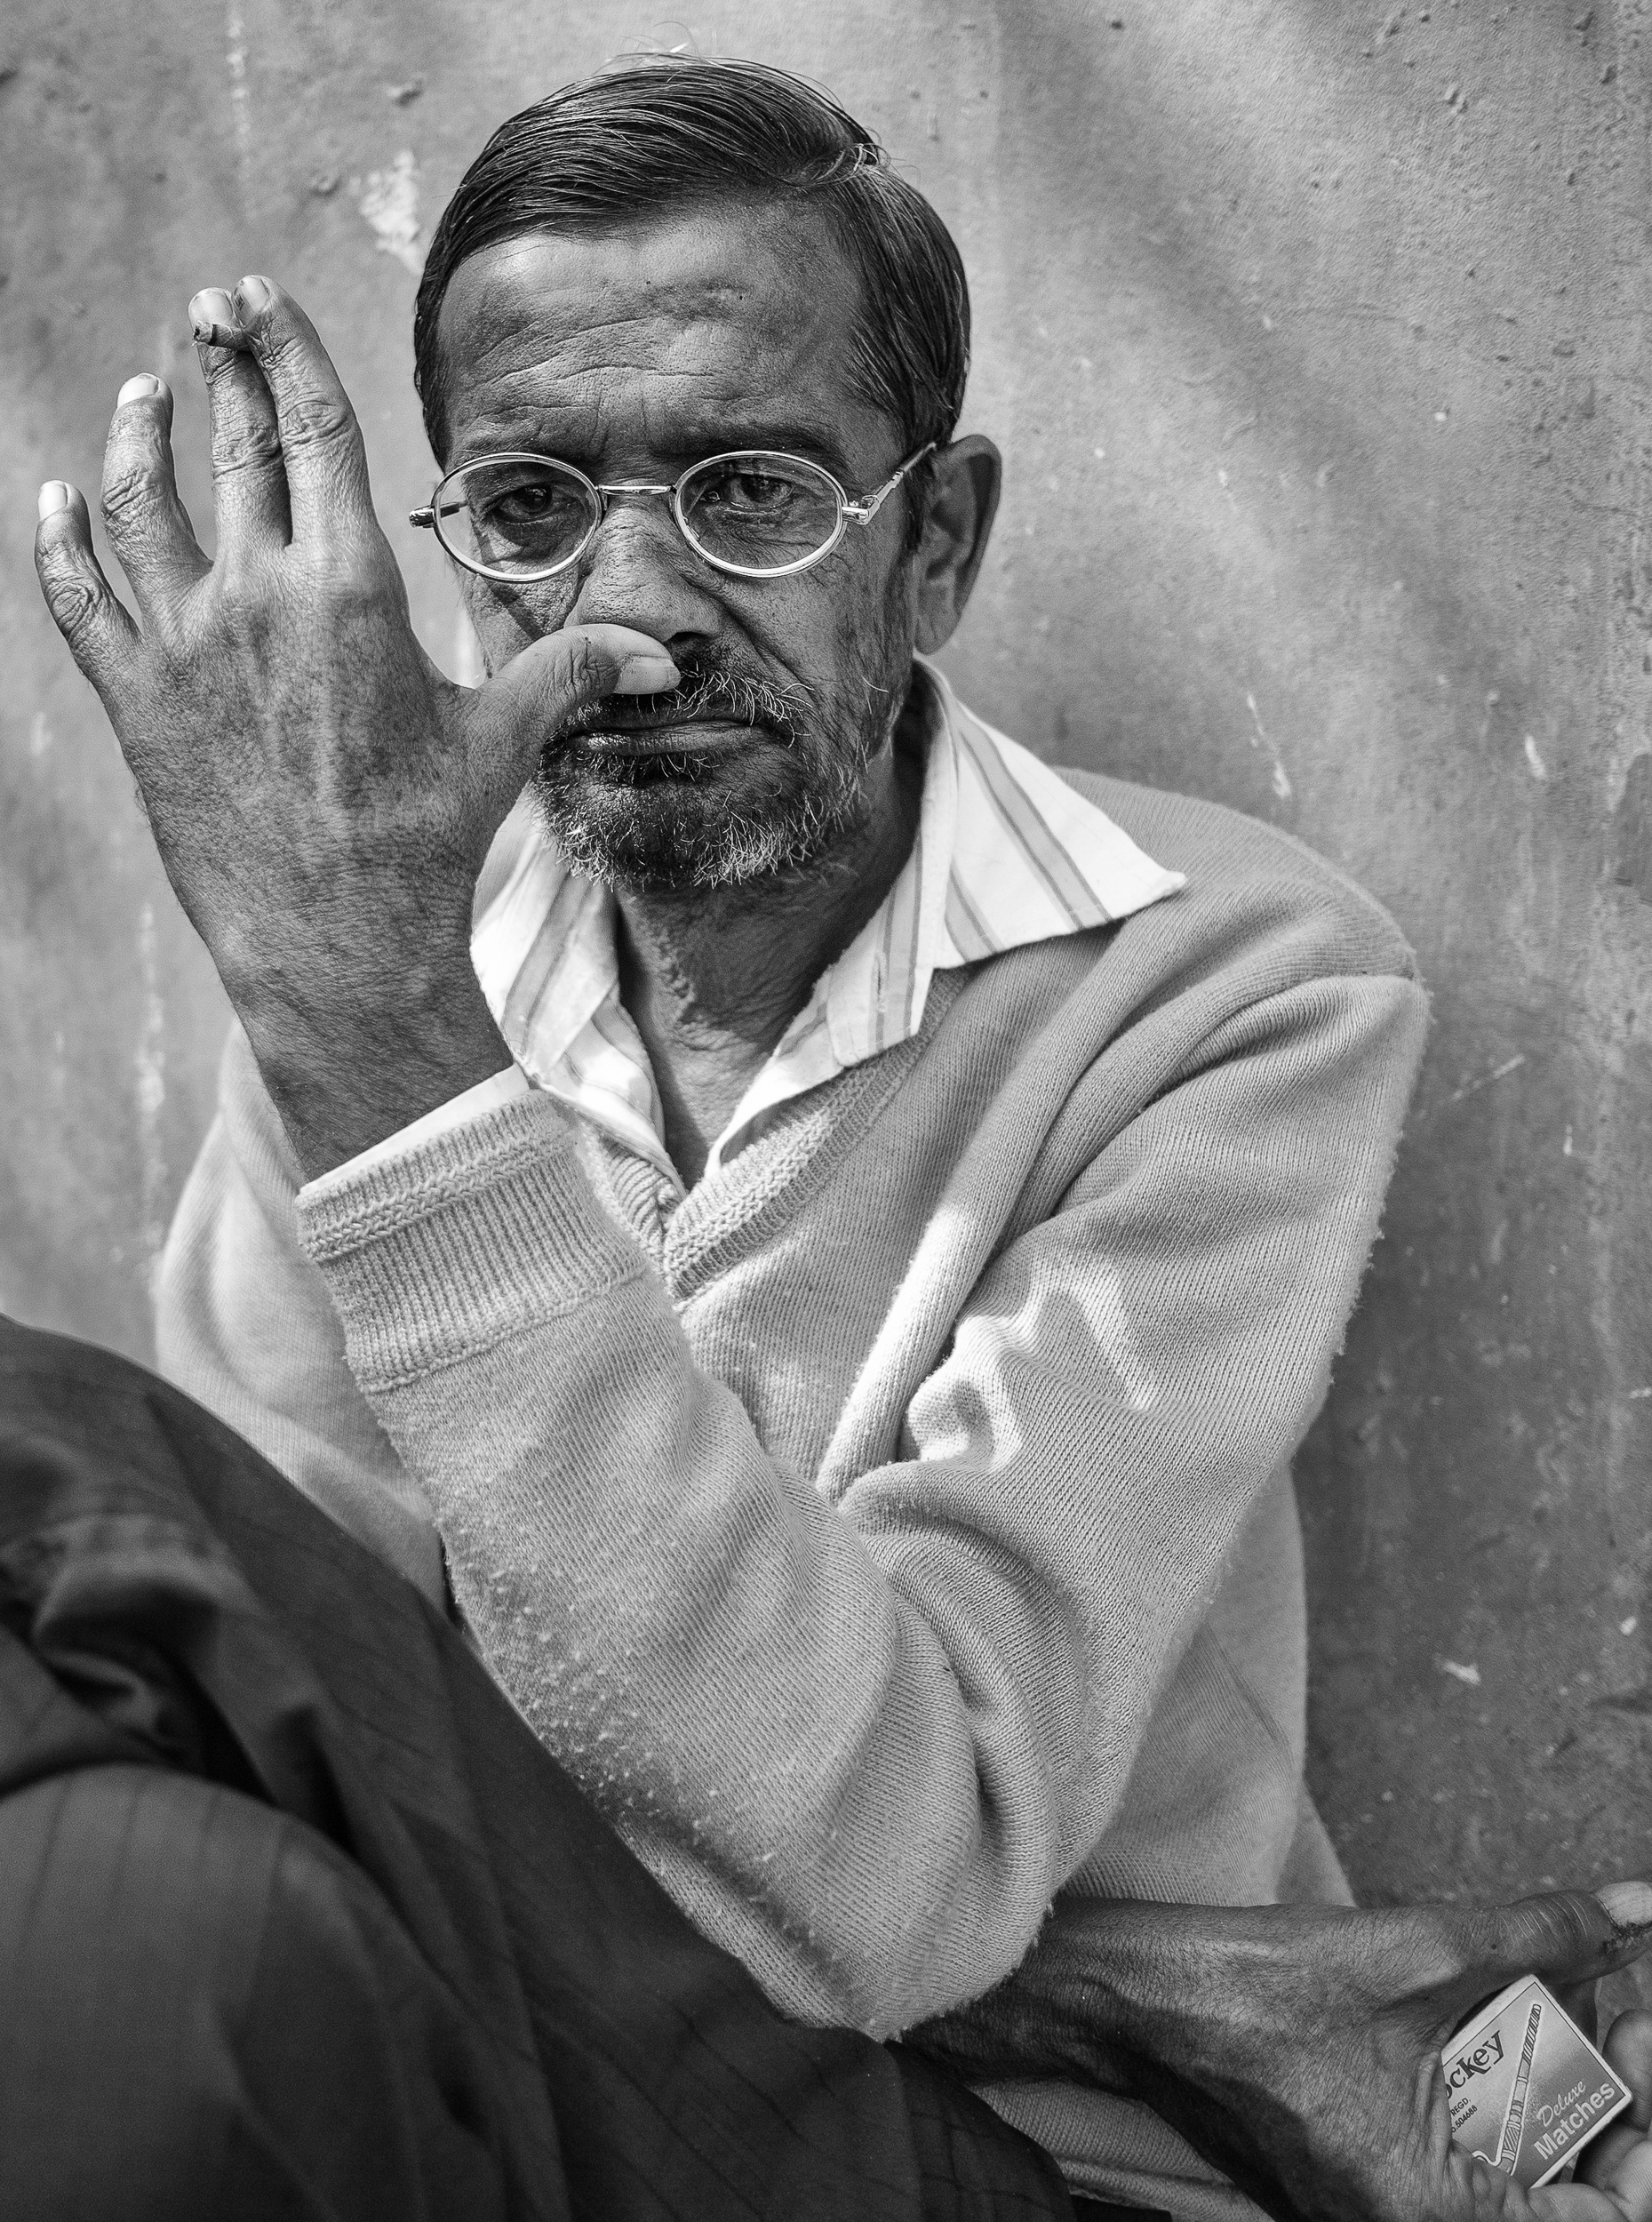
(99, 634)
(1565, 1936)
(249, 475)
(1628, 2049)
(1577, 2202)
(320, 442)
(148, 525)
(1629, 2186)
(1606, 2152)
(522, 708)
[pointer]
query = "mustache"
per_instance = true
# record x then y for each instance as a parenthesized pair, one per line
(708, 686)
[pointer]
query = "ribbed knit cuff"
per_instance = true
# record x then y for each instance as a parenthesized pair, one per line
(461, 1240)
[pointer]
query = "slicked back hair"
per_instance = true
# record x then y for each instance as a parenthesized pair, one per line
(660, 135)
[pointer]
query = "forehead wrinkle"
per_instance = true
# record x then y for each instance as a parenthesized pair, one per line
(654, 342)
(521, 405)
(645, 297)
(605, 388)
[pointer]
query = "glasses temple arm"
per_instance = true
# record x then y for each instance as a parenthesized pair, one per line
(426, 518)
(863, 512)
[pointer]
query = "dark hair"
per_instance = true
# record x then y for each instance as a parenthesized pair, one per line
(671, 132)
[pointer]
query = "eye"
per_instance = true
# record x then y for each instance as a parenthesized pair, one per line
(522, 502)
(532, 502)
(750, 492)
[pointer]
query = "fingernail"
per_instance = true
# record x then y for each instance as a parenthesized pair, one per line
(1628, 1904)
(254, 295)
(53, 496)
(211, 308)
(143, 387)
(645, 674)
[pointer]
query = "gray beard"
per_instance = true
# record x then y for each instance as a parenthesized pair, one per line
(717, 820)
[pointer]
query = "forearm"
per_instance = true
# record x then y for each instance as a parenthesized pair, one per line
(344, 1076)
(691, 1627)
(1156, 2003)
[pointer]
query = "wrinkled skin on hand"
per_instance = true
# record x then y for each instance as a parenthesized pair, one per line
(1297, 2048)
(322, 796)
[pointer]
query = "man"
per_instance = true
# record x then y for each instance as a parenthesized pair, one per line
(820, 1235)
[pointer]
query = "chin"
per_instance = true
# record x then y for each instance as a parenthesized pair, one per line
(679, 827)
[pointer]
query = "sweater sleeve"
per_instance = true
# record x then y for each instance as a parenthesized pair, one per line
(244, 1324)
(863, 1743)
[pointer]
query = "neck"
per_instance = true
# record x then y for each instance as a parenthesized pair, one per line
(712, 978)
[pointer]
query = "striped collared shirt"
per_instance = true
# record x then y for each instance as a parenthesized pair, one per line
(1006, 853)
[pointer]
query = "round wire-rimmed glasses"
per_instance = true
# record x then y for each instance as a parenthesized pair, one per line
(752, 511)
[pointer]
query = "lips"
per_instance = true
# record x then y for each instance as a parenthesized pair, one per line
(688, 736)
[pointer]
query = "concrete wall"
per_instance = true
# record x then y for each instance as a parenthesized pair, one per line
(1312, 331)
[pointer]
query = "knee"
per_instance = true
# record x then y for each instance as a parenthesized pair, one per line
(195, 2013)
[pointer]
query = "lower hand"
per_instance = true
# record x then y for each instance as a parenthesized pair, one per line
(322, 797)
(1297, 2048)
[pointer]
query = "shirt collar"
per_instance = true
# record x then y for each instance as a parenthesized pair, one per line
(1006, 854)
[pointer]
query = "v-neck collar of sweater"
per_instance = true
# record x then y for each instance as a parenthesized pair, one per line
(1006, 853)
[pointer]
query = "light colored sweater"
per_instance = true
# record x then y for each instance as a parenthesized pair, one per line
(897, 1536)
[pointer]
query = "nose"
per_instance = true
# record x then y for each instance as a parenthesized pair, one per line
(639, 571)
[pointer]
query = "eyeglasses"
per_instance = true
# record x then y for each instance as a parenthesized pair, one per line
(751, 513)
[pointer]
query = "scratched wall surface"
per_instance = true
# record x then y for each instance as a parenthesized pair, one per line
(1315, 337)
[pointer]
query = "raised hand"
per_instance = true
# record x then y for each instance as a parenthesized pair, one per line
(322, 797)
(1297, 2048)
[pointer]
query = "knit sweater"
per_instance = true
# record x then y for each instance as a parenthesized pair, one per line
(897, 1536)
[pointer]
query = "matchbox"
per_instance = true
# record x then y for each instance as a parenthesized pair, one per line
(1528, 2089)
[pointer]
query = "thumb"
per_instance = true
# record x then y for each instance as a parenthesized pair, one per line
(520, 709)
(1564, 1936)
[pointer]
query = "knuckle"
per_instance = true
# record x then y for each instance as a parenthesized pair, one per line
(317, 421)
(1427, 1947)
(237, 592)
(253, 602)
(345, 589)
(128, 490)
(74, 601)
(586, 668)
(277, 341)
(240, 446)
(584, 665)
(1567, 1925)
(223, 366)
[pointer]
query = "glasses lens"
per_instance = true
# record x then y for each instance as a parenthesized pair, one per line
(760, 512)
(517, 514)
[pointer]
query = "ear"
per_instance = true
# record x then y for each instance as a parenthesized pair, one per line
(964, 499)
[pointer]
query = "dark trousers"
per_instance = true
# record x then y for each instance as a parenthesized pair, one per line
(297, 1920)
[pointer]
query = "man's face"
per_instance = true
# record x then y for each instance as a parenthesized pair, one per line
(633, 354)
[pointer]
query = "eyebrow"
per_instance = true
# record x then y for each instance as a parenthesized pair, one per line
(817, 441)
(688, 443)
